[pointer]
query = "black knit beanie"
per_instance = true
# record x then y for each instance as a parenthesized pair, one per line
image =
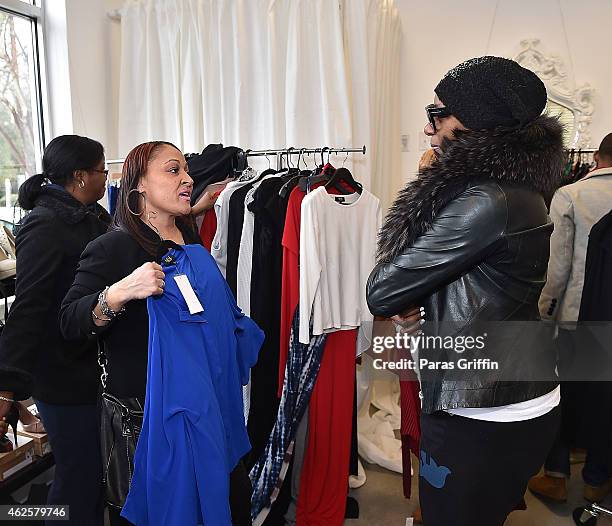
(486, 92)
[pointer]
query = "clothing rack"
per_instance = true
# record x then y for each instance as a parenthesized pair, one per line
(300, 151)
(284, 151)
(280, 153)
(581, 150)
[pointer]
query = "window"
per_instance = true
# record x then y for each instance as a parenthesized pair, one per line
(21, 129)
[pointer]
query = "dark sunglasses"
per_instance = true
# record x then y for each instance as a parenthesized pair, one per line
(434, 112)
(105, 172)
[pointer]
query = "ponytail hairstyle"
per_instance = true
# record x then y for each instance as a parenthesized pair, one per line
(62, 157)
(130, 209)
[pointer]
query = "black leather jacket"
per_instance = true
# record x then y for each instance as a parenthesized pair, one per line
(482, 258)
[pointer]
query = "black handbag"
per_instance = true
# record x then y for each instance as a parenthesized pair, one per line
(120, 425)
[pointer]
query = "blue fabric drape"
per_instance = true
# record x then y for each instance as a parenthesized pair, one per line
(193, 432)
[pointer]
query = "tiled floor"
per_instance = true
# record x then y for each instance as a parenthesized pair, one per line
(381, 503)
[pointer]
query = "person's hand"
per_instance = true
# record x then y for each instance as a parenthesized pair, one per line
(409, 321)
(147, 280)
(206, 201)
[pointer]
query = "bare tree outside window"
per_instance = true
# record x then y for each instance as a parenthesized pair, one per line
(18, 108)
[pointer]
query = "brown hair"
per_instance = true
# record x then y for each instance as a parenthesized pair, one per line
(129, 200)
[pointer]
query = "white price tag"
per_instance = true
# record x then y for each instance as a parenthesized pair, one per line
(193, 303)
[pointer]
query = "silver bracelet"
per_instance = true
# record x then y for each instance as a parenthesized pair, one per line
(105, 309)
(98, 318)
(5, 399)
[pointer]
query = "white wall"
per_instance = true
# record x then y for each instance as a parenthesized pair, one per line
(114, 66)
(438, 35)
(57, 70)
(88, 42)
(83, 75)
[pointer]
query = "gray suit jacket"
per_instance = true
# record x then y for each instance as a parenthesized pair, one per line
(575, 208)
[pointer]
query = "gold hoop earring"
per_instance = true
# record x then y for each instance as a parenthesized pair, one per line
(127, 202)
(81, 184)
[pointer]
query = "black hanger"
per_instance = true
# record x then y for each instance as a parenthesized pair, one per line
(322, 159)
(239, 163)
(314, 177)
(344, 175)
(292, 174)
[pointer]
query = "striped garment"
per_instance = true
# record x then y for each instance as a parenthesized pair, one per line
(303, 363)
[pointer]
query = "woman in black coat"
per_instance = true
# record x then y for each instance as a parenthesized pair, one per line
(35, 360)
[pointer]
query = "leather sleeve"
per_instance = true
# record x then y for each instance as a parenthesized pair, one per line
(461, 236)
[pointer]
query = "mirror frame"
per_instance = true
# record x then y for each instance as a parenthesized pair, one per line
(551, 69)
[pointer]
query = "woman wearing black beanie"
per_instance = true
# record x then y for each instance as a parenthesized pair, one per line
(468, 241)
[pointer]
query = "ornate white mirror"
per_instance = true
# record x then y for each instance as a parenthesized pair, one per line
(574, 106)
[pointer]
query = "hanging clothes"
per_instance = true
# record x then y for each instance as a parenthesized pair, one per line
(245, 252)
(331, 405)
(303, 367)
(337, 239)
(290, 295)
(214, 164)
(208, 228)
(113, 193)
(219, 247)
(269, 211)
(207, 222)
(325, 472)
(410, 404)
(234, 234)
(241, 286)
(193, 433)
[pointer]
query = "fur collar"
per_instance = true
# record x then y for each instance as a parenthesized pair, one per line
(532, 155)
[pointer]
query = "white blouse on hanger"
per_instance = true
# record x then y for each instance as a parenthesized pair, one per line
(218, 250)
(338, 236)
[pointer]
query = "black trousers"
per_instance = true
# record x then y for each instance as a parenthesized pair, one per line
(74, 436)
(474, 472)
(240, 500)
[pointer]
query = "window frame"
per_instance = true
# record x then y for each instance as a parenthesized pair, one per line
(35, 14)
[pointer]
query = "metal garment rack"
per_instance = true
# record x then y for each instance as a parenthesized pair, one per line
(280, 153)
(581, 150)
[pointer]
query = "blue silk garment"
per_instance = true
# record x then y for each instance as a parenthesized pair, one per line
(193, 433)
